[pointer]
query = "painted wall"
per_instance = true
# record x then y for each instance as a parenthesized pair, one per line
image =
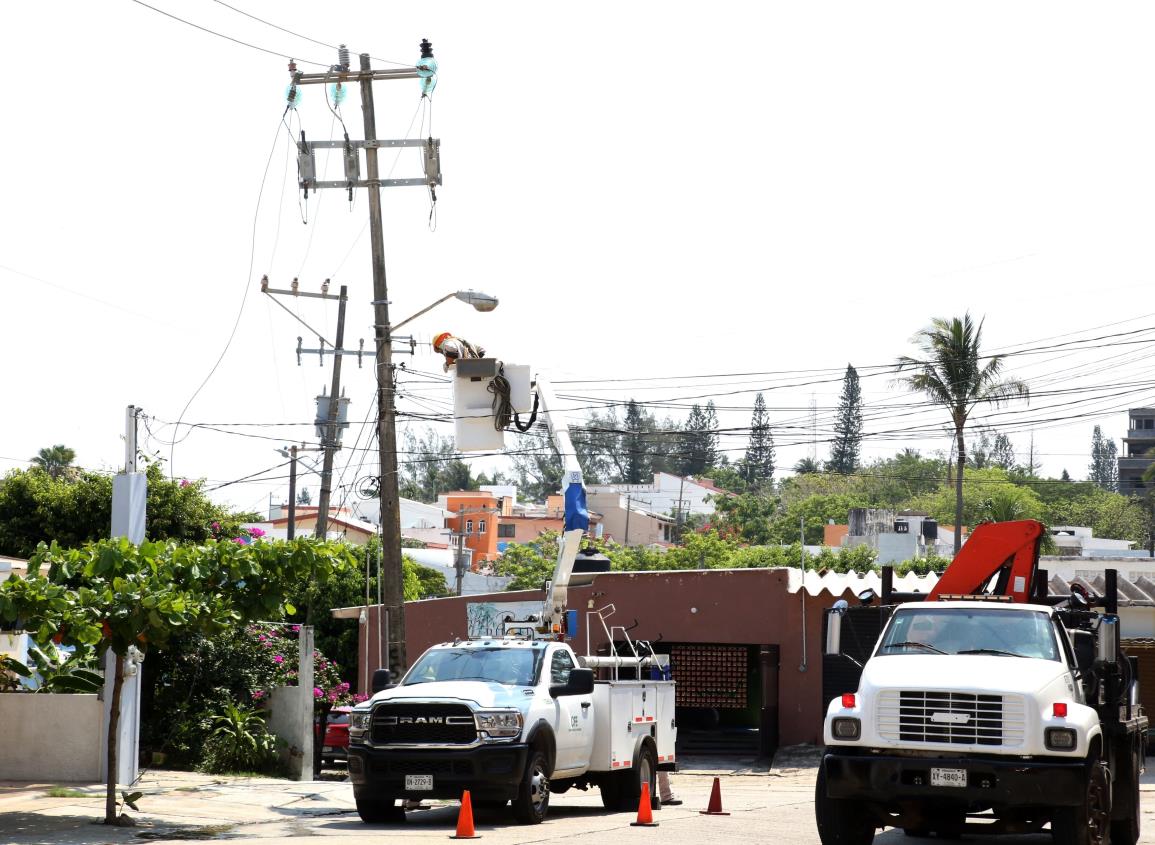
(50, 738)
(742, 606)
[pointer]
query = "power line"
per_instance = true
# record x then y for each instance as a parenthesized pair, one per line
(226, 37)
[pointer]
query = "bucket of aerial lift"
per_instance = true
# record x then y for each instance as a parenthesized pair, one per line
(588, 563)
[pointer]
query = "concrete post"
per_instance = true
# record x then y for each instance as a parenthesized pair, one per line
(128, 733)
(305, 714)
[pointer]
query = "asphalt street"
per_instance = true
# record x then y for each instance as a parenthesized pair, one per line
(764, 806)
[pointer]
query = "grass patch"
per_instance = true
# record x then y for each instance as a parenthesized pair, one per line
(65, 792)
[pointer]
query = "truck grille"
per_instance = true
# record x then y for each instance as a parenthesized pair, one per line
(423, 723)
(954, 718)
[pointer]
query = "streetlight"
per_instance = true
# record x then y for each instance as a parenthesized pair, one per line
(387, 488)
(481, 301)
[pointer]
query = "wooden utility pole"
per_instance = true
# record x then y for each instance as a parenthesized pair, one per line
(392, 576)
(291, 531)
(331, 442)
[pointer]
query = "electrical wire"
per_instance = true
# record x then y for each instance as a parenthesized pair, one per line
(244, 297)
(299, 35)
(226, 37)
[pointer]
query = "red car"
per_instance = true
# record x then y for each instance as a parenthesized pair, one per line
(336, 737)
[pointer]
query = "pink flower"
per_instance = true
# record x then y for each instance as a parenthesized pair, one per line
(241, 541)
(359, 697)
(258, 695)
(296, 629)
(184, 482)
(343, 686)
(278, 658)
(317, 693)
(216, 526)
(256, 532)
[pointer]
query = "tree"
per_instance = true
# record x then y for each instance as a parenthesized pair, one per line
(114, 596)
(807, 466)
(710, 445)
(639, 468)
(844, 452)
(953, 374)
(36, 508)
(757, 467)
(304, 497)
(1104, 468)
(746, 517)
(699, 440)
(55, 460)
(432, 466)
(1003, 452)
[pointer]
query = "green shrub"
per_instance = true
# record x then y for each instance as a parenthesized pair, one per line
(239, 742)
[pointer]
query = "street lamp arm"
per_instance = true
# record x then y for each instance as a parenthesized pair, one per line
(410, 319)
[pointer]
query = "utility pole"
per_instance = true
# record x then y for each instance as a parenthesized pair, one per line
(291, 531)
(629, 507)
(331, 442)
(392, 576)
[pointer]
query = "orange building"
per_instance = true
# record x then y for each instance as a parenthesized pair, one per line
(476, 514)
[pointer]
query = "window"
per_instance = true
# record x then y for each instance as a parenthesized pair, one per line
(506, 530)
(515, 667)
(469, 526)
(560, 666)
(481, 526)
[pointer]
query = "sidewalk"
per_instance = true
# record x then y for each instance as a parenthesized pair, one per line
(175, 805)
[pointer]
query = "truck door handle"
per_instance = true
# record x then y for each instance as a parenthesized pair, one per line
(585, 705)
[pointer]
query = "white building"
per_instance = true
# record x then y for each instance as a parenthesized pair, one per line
(667, 494)
(1077, 541)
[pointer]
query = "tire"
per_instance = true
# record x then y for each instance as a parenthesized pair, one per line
(643, 770)
(532, 801)
(840, 822)
(378, 810)
(611, 789)
(1090, 822)
(1125, 831)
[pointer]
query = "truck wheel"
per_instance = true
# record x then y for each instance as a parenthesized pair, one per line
(840, 822)
(611, 789)
(532, 801)
(1125, 831)
(378, 810)
(1090, 822)
(644, 770)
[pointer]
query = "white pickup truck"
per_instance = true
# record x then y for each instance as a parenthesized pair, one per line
(1019, 714)
(509, 720)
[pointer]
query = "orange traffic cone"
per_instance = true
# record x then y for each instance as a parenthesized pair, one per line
(715, 806)
(465, 819)
(645, 811)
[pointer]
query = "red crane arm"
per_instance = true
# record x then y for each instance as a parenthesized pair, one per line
(1007, 549)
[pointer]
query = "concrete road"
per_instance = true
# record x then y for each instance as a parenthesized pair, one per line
(764, 806)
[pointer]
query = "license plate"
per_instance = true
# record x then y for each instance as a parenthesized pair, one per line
(948, 777)
(419, 782)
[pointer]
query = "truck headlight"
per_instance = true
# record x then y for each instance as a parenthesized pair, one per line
(360, 721)
(1060, 739)
(499, 723)
(846, 728)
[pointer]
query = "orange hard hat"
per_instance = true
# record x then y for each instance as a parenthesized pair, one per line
(440, 339)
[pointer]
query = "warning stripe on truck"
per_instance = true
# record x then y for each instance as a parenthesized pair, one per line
(643, 718)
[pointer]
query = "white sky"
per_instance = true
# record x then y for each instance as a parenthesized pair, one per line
(653, 190)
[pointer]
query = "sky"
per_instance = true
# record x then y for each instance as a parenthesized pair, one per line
(674, 192)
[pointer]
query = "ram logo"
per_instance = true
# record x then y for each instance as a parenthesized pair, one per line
(950, 718)
(421, 720)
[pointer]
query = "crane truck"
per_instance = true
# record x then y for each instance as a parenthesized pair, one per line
(987, 705)
(519, 717)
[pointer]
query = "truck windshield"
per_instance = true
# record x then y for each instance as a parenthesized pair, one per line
(509, 666)
(931, 630)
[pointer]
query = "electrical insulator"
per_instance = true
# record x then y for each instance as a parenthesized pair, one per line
(292, 95)
(325, 286)
(337, 92)
(427, 68)
(343, 56)
(294, 285)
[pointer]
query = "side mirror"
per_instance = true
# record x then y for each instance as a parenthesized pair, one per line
(834, 627)
(581, 682)
(867, 596)
(382, 679)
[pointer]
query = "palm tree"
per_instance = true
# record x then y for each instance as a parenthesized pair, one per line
(807, 466)
(55, 460)
(955, 374)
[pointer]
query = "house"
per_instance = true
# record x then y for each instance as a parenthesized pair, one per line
(525, 523)
(343, 525)
(1077, 541)
(1138, 450)
(12, 566)
(627, 521)
(475, 514)
(895, 535)
(667, 494)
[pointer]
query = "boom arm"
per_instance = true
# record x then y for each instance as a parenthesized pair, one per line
(1008, 549)
(577, 518)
